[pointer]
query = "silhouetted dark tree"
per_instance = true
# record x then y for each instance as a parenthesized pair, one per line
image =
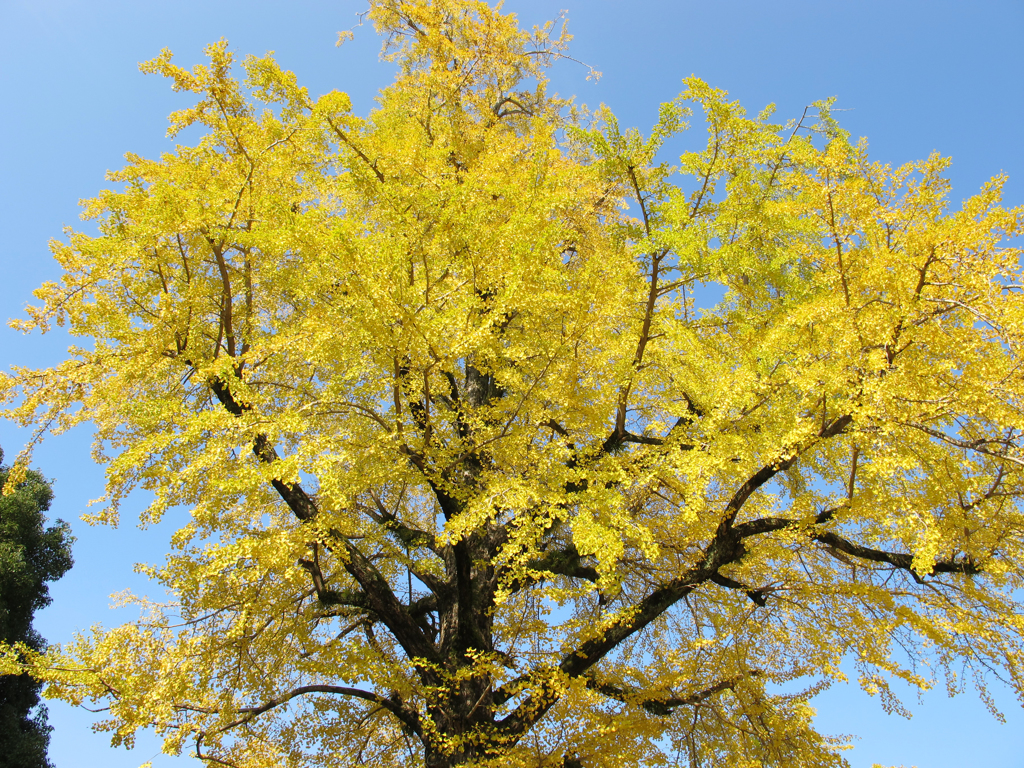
(30, 556)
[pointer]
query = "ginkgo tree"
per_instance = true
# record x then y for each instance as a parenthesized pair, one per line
(470, 476)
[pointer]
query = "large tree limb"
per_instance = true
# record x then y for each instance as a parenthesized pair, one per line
(726, 547)
(786, 460)
(565, 561)
(392, 704)
(834, 542)
(379, 596)
(664, 706)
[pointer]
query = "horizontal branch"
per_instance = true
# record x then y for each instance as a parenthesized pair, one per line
(723, 549)
(394, 705)
(771, 524)
(900, 560)
(836, 543)
(663, 706)
(756, 595)
(564, 562)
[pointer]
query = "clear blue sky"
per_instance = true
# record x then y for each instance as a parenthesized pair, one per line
(914, 76)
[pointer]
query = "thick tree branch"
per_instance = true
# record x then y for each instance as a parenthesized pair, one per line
(724, 548)
(663, 707)
(756, 595)
(834, 542)
(784, 462)
(408, 535)
(770, 524)
(565, 562)
(392, 704)
(379, 597)
(560, 562)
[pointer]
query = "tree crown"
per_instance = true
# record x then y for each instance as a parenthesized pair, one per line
(30, 556)
(471, 475)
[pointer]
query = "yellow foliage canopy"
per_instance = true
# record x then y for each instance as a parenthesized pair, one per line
(472, 479)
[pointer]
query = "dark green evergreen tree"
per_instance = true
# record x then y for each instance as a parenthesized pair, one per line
(30, 556)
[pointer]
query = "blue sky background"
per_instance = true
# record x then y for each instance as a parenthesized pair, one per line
(914, 76)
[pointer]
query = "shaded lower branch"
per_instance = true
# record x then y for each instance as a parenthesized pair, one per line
(562, 562)
(900, 560)
(756, 595)
(835, 543)
(392, 704)
(663, 706)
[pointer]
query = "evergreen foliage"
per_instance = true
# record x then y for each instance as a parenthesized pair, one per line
(30, 556)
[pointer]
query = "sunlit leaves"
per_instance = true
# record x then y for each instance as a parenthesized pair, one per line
(475, 474)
